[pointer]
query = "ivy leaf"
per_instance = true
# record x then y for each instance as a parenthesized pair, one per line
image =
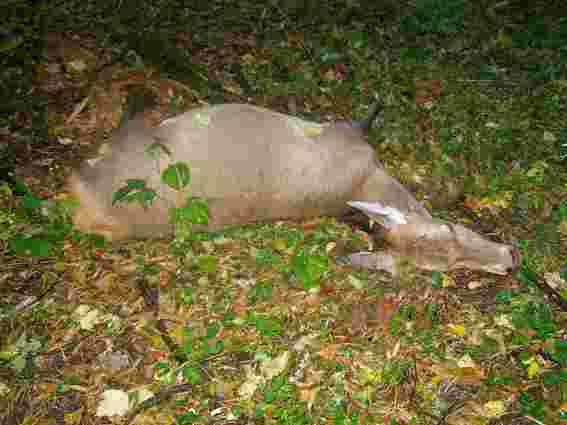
(177, 175)
(135, 191)
(34, 247)
(156, 149)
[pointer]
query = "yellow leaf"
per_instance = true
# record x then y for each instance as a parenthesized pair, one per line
(499, 200)
(447, 281)
(494, 409)
(533, 368)
(458, 330)
(504, 321)
(279, 245)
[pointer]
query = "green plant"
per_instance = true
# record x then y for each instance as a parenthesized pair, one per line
(444, 17)
(197, 345)
(396, 371)
(266, 325)
(339, 415)
(536, 317)
(396, 324)
(24, 350)
(188, 418)
(177, 176)
(533, 407)
(281, 403)
(309, 268)
(47, 222)
(537, 34)
(266, 256)
(563, 144)
(261, 291)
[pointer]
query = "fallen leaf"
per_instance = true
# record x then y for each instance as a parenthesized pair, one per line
(329, 352)
(273, 367)
(447, 281)
(494, 409)
(308, 395)
(458, 330)
(114, 402)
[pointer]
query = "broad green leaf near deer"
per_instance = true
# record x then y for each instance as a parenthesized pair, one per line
(252, 164)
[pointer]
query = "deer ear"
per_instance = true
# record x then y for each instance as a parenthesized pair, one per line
(387, 216)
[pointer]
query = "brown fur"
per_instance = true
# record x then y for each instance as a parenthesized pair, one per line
(250, 163)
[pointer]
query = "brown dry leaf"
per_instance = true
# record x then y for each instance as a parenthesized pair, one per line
(465, 375)
(426, 90)
(471, 376)
(494, 202)
(359, 321)
(313, 300)
(472, 203)
(329, 352)
(309, 396)
(296, 39)
(469, 414)
(330, 75)
(385, 308)
(106, 282)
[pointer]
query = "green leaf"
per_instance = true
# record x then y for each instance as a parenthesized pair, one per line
(136, 184)
(19, 363)
(192, 375)
(198, 210)
(212, 330)
(208, 264)
(34, 247)
(216, 348)
(260, 291)
(177, 175)
(195, 211)
(266, 325)
(560, 352)
(144, 198)
(329, 56)
(131, 184)
(157, 149)
(555, 377)
(436, 280)
(187, 296)
(187, 418)
(135, 190)
(20, 188)
(359, 39)
(31, 202)
(560, 213)
(309, 268)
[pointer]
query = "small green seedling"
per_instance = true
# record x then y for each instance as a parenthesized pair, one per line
(177, 176)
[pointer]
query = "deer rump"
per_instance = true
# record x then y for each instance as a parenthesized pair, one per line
(250, 164)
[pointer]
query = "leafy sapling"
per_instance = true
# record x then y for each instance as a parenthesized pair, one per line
(177, 176)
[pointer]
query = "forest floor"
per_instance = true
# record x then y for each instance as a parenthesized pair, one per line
(263, 324)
